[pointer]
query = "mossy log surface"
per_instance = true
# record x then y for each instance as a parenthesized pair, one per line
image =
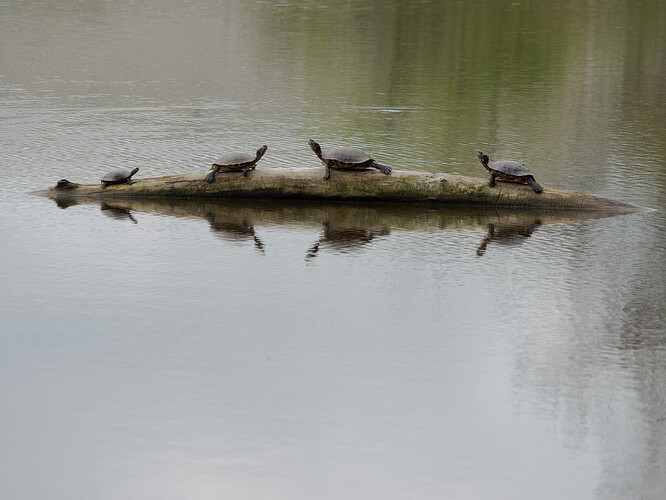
(371, 185)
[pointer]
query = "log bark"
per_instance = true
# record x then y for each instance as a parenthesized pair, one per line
(371, 185)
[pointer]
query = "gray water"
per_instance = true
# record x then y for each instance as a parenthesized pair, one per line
(299, 350)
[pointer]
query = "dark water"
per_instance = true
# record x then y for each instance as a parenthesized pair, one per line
(277, 350)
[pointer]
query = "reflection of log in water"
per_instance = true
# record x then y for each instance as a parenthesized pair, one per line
(507, 234)
(66, 202)
(117, 212)
(342, 239)
(346, 226)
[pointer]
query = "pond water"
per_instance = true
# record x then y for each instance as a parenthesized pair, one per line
(310, 350)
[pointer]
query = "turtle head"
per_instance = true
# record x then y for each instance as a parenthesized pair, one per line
(316, 148)
(483, 158)
(261, 151)
(64, 183)
(134, 171)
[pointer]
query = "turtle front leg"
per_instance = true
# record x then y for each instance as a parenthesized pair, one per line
(251, 167)
(211, 175)
(491, 182)
(328, 171)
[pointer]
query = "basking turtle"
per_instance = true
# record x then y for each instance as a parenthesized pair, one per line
(64, 184)
(346, 158)
(510, 171)
(118, 177)
(235, 162)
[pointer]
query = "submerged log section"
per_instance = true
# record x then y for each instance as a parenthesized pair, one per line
(400, 187)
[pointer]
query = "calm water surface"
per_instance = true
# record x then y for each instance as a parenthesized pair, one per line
(279, 350)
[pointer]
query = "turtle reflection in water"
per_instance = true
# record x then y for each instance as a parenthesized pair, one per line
(122, 176)
(507, 234)
(116, 212)
(234, 231)
(509, 171)
(344, 239)
(236, 162)
(346, 159)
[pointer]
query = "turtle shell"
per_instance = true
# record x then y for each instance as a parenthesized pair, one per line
(117, 175)
(512, 168)
(234, 160)
(346, 155)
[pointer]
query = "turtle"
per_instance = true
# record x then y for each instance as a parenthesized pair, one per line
(510, 171)
(63, 184)
(346, 158)
(118, 177)
(235, 162)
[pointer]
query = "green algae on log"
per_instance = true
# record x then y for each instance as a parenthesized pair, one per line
(306, 184)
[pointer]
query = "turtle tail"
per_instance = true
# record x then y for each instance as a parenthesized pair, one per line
(385, 169)
(534, 184)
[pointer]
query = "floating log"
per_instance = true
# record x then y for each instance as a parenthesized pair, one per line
(370, 185)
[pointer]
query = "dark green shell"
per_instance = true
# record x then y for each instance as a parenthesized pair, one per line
(234, 161)
(509, 168)
(117, 175)
(347, 158)
(237, 161)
